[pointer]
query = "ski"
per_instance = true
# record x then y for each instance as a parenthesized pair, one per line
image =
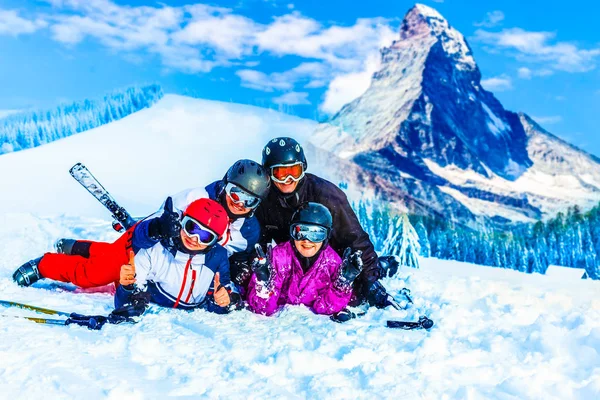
(422, 323)
(83, 175)
(92, 322)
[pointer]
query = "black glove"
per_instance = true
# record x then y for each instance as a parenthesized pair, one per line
(134, 308)
(351, 266)
(388, 265)
(241, 272)
(167, 225)
(261, 266)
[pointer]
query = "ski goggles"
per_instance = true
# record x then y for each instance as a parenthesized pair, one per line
(312, 233)
(193, 228)
(240, 196)
(282, 172)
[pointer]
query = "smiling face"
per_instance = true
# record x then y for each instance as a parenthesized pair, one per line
(191, 243)
(288, 187)
(236, 208)
(307, 248)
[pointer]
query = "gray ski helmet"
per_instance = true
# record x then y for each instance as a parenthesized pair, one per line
(250, 176)
(283, 150)
(312, 214)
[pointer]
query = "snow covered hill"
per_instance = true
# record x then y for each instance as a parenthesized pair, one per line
(498, 334)
(429, 129)
(178, 143)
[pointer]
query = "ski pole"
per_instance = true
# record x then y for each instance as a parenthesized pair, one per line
(422, 323)
(33, 308)
(38, 320)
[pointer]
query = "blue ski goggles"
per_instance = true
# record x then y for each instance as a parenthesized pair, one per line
(240, 196)
(312, 233)
(193, 228)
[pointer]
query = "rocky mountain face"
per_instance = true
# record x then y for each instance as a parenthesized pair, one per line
(437, 138)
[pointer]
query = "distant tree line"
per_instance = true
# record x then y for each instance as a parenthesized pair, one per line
(570, 239)
(33, 128)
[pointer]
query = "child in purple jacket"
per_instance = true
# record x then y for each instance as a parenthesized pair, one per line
(305, 270)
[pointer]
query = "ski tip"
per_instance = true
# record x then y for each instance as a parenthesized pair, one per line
(76, 167)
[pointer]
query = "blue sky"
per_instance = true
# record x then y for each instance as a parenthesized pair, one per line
(305, 57)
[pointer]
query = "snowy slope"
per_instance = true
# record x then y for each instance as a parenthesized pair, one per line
(178, 143)
(499, 334)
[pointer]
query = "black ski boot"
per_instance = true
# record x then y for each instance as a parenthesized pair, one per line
(388, 266)
(28, 273)
(72, 247)
(64, 246)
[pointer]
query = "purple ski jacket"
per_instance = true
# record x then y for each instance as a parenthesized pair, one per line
(319, 288)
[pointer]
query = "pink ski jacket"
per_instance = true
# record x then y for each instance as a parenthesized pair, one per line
(319, 288)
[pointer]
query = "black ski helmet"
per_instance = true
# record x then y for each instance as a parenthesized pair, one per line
(250, 176)
(313, 214)
(283, 150)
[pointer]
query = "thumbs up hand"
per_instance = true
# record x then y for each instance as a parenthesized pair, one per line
(221, 294)
(127, 275)
(167, 225)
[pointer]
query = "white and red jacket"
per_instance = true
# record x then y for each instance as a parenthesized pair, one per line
(174, 278)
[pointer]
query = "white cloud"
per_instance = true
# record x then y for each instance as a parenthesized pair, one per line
(527, 73)
(492, 18)
(346, 87)
(537, 47)
(14, 25)
(497, 83)
(196, 38)
(260, 81)
(311, 75)
(230, 34)
(292, 98)
(548, 120)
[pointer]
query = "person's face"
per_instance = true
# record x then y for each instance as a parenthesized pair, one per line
(307, 248)
(236, 208)
(285, 177)
(287, 187)
(191, 243)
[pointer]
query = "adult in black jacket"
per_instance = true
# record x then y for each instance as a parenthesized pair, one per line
(292, 186)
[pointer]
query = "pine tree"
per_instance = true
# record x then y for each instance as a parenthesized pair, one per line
(409, 244)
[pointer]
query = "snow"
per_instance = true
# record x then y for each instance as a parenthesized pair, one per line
(563, 273)
(499, 334)
(551, 192)
(202, 139)
(484, 207)
(496, 125)
(428, 11)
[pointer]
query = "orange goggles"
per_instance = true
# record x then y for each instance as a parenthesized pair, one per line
(281, 173)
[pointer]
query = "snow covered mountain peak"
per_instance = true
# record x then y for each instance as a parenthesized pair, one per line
(423, 21)
(429, 130)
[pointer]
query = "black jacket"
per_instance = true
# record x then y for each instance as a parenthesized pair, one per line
(275, 214)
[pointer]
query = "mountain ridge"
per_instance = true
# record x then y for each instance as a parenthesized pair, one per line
(426, 117)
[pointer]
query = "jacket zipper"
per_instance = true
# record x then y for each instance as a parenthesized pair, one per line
(187, 267)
